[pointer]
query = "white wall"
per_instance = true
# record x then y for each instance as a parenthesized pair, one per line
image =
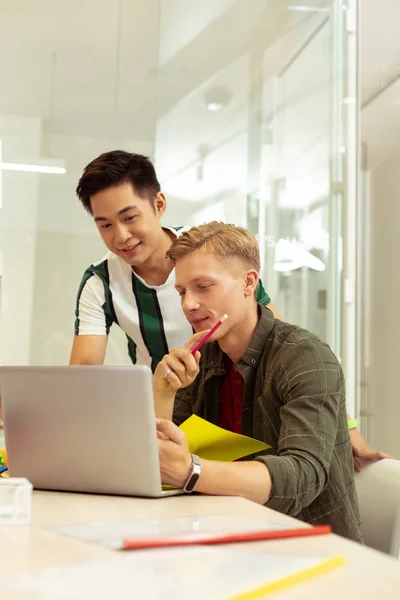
(384, 390)
(21, 137)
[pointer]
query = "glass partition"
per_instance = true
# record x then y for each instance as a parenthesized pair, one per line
(305, 152)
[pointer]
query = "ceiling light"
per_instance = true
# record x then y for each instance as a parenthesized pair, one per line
(291, 255)
(215, 106)
(33, 168)
(303, 8)
(313, 263)
(217, 98)
(35, 165)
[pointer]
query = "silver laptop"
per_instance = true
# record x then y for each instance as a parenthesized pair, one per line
(82, 429)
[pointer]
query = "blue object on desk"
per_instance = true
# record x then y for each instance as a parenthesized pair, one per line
(3, 469)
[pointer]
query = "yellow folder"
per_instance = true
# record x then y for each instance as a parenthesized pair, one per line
(214, 443)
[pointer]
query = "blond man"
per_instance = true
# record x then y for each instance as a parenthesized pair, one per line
(257, 376)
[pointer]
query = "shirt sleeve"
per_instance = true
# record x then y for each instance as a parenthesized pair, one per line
(91, 318)
(311, 386)
(262, 296)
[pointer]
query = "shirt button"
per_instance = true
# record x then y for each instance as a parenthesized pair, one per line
(236, 400)
(253, 361)
(211, 363)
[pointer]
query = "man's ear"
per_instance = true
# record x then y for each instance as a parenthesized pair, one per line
(160, 204)
(251, 278)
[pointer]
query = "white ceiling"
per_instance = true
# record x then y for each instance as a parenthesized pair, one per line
(73, 64)
(137, 71)
(102, 67)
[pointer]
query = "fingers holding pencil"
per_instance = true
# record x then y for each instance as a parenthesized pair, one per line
(179, 368)
(195, 340)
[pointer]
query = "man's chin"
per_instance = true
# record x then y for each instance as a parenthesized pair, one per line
(133, 260)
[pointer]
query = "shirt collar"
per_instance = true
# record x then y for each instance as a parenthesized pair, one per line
(215, 356)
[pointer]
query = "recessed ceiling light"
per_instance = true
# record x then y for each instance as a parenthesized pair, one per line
(215, 106)
(217, 98)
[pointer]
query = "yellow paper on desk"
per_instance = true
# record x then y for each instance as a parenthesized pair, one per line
(214, 443)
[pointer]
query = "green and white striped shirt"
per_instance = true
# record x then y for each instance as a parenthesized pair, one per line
(150, 316)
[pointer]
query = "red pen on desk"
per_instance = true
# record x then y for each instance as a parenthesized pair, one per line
(218, 538)
(209, 334)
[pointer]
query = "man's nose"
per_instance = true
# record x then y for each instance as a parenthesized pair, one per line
(190, 302)
(122, 234)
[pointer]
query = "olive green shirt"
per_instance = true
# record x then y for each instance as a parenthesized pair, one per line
(294, 400)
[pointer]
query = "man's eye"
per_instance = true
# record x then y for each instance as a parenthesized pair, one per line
(106, 226)
(131, 218)
(182, 293)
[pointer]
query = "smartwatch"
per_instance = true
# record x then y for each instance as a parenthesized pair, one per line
(194, 475)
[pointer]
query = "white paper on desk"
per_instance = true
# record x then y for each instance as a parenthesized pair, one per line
(178, 574)
(112, 534)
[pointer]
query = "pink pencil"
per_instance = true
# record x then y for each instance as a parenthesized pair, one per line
(209, 334)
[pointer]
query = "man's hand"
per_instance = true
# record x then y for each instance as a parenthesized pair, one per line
(363, 451)
(174, 454)
(178, 369)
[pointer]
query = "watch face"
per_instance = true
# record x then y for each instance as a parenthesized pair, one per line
(192, 482)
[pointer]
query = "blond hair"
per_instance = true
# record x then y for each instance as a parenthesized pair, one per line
(221, 239)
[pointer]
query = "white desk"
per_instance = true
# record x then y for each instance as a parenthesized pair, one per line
(367, 575)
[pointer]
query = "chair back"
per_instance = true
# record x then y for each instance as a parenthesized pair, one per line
(378, 490)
